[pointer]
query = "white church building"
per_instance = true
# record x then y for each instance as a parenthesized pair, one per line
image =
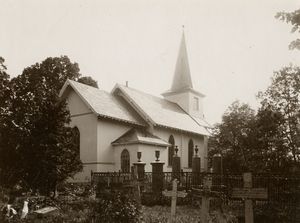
(113, 126)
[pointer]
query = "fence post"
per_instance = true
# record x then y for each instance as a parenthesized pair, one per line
(176, 165)
(157, 173)
(140, 166)
(196, 167)
(217, 170)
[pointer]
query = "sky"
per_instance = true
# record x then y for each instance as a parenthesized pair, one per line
(233, 46)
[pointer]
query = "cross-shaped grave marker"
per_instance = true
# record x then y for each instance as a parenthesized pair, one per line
(204, 195)
(174, 194)
(135, 184)
(248, 194)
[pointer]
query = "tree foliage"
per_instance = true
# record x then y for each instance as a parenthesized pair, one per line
(4, 87)
(266, 141)
(88, 81)
(294, 19)
(37, 146)
(283, 98)
(235, 138)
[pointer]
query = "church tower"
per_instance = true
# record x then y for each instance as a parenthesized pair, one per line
(182, 91)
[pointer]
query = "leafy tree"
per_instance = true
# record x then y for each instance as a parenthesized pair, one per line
(43, 145)
(268, 141)
(5, 140)
(88, 81)
(4, 86)
(235, 138)
(294, 19)
(283, 99)
(271, 143)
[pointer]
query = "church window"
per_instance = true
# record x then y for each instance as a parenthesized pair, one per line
(171, 150)
(190, 153)
(125, 161)
(76, 139)
(196, 104)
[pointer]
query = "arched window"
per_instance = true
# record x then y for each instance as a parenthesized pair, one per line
(76, 139)
(125, 161)
(171, 150)
(190, 153)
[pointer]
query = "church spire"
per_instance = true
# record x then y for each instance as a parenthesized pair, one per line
(182, 77)
(182, 91)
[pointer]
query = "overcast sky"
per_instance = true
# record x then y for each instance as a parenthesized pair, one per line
(233, 45)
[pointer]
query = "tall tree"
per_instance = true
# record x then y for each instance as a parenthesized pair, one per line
(4, 85)
(235, 139)
(283, 98)
(294, 19)
(6, 155)
(44, 145)
(271, 143)
(88, 81)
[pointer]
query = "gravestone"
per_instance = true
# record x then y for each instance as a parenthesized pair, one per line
(174, 194)
(44, 212)
(248, 193)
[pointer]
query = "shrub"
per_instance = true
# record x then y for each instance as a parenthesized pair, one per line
(115, 206)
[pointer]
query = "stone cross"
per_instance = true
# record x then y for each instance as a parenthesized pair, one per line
(174, 194)
(136, 184)
(248, 194)
(204, 194)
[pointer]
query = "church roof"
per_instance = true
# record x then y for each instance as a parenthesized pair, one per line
(103, 103)
(139, 136)
(202, 122)
(161, 112)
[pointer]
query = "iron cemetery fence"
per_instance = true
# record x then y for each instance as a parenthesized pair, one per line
(280, 188)
(282, 191)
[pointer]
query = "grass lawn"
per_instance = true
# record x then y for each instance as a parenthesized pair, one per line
(184, 214)
(161, 214)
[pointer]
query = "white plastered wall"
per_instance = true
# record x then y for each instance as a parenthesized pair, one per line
(132, 149)
(182, 99)
(182, 140)
(148, 154)
(192, 111)
(86, 122)
(108, 131)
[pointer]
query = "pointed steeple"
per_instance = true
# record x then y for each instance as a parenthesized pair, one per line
(182, 91)
(182, 77)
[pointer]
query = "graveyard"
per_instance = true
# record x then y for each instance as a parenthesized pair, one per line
(138, 141)
(159, 196)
